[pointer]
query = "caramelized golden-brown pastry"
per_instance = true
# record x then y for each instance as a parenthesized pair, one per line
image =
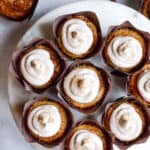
(38, 65)
(47, 121)
(78, 35)
(139, 85)
(126, 120)
(145, 8)
(89, 136)
(126, 48)
(17, 9)
(84, 86)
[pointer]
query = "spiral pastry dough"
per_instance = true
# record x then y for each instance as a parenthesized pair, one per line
(143, 85)
(125, 123)
(85, 140)
(77, 37)
(125, 51)
(44, 121)
(79, 83)
(37, 67)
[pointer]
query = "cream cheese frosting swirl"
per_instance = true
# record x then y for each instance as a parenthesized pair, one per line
(77, 37)
(125, 51)
(44, 121)
(82, 85)
(37, 67)
(125, 122)
(143, 85)
(85, 140)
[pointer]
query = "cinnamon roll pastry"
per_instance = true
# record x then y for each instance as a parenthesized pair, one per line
(89, 136)
(78, 35)
(127, 121)
(139, 85)
(38, 65)
(17, 9)
(126, 48)
(145, 8)
(84, 86)
(47, 121)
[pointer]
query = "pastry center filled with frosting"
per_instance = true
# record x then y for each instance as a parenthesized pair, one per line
(77, 37)
(85, 140)
(143, 85)
(37, 67)
(44, 121)
(125, 122)
(82, 85)
(125, 51)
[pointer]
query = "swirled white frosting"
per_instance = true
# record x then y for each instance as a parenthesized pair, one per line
(82, 85)
(125, 122)
(85, 140)
(77, 37)
(44, 121)
(125, 51)
(37, 67)
(143, 85)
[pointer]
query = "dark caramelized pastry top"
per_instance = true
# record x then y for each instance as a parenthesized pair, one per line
(17, 9)
(145, 8)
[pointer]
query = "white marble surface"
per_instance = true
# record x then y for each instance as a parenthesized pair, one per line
(10, 33)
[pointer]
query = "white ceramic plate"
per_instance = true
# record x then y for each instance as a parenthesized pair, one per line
(109, 13)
